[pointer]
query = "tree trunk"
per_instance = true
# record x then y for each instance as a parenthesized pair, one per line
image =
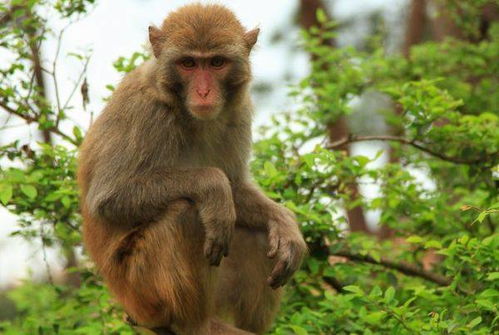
(339, 129)
(415, 28)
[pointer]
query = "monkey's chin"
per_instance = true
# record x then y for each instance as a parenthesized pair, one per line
(205, 113)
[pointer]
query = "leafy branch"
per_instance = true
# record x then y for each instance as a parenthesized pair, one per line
(31, 119)
(402, 267)
(413, 143)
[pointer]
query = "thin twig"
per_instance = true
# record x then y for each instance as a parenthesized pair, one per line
(413, 143)
(54, 73)
(77, 84)
(402, 267)
(30, 90)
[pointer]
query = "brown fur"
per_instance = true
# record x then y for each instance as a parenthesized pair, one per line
(160, 188)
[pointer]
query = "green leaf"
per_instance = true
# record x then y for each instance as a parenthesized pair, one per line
(362, 160)
(5, 193)
(481, 216)
(299, 330)
(66, 202)
(354, 289)
(270, 169)
(493, 276)
(313, 265)
(433, 244)
(475, 322)
(77, 133)
(375, 317)
(321, 15)
(375, 255)
(389, 294)
(29, 190)
(414, 239)
(485, 303)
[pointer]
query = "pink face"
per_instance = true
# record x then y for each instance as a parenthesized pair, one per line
(203, 77)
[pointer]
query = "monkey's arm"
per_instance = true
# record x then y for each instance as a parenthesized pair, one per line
(254, 209)
(131, 200)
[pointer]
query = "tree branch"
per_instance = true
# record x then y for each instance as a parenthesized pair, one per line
(335, 283)
(402, 267)
(31, 119)
(413, 143)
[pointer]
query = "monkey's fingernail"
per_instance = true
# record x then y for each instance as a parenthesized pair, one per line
(273, 282)
(207, 250)
(272, 252)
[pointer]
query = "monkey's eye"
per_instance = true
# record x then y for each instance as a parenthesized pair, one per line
(217, 61)
(188, 62)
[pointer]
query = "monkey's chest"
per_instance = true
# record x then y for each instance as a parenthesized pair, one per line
(214, 154)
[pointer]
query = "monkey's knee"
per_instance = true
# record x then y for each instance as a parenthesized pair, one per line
(158, 272)
(257, 315)
(243, 291)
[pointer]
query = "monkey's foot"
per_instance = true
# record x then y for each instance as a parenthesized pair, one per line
(157, 330)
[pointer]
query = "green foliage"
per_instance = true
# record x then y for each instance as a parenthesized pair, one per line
(446, 127)
(356, 284)
(40, 187)
(50, 309)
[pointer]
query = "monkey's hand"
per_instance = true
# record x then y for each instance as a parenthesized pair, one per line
(219, 231)
(286, 245)
(216, 210)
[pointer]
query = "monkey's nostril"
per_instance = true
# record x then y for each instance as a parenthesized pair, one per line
(203, 93)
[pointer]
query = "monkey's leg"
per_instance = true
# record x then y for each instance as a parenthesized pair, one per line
(158, 272)
(242, 290)
(160, 276)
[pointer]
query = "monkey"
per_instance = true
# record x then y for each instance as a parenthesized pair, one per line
(183, 237)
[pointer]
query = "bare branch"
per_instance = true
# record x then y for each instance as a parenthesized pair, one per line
(413, 143)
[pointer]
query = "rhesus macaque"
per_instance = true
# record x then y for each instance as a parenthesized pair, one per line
(166, 191)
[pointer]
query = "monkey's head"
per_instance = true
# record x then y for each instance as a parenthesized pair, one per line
(202, 53)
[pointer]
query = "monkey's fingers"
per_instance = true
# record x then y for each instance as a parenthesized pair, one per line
(214, 252)
(280, 275)
(273, 244)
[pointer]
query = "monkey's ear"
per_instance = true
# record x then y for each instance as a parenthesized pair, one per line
(156, 38)
(251, 36)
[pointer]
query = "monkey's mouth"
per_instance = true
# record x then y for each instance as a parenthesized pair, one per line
(205, 111)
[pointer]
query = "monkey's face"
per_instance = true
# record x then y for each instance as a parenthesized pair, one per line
(203, 53)
(203, 77)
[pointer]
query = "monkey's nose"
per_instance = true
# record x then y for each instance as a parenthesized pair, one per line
(203, 93)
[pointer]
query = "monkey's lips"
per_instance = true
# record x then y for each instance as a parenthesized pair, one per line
(204, 111)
